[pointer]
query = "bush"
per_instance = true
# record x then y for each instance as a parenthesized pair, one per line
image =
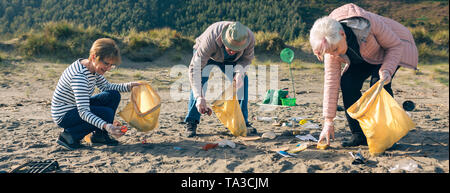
(301, 42)
(441, 38)
(421, 35)
(268, 41)
(61, 39)
(146, 46)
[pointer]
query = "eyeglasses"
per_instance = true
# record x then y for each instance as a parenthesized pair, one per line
(109, 65)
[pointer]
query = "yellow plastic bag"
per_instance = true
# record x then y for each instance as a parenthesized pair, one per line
(142, 112)
(382, 119)
(229, 112)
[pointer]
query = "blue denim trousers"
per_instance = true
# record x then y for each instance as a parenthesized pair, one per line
(104, 105)
(194, 116)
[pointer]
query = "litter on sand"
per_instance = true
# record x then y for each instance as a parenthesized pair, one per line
(286, 154)
(322, 146)
(226, 142)
(209, 146)
(357, 158)
(298, 148)
(309, 125)
(251, 138)
(404, 164)
(269, 135)
(308, 137)
(277, 149)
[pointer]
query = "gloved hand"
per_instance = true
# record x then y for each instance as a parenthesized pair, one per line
(327, 131)
(239, 78)
(385, 75)
(201, 106)
(114, 130)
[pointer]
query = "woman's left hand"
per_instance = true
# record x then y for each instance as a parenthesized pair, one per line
(327, 132)
(239, 78)
(133, 84)
(385, 76)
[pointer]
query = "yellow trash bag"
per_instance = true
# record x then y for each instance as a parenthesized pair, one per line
(142, 112)
(382, 119)
(229, 112)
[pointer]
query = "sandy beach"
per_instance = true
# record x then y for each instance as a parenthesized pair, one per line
(28, 133)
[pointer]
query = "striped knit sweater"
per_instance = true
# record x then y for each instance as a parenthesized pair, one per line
(74, 89)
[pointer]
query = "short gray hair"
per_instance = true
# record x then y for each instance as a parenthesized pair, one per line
(323, 34)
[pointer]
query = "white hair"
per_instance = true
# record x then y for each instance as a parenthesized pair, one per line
(324, 33)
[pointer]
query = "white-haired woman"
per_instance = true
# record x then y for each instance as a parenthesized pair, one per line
(369, 45)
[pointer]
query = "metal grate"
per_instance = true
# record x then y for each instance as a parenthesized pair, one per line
(37, 167)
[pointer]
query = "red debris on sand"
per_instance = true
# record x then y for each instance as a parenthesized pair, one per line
(209, 146)
(124, 129)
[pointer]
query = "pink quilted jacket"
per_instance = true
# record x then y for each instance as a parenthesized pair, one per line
(389, 43)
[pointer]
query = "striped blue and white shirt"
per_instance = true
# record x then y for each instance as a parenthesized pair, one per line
(75, 87)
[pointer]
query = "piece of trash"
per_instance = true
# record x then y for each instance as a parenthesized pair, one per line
(339, 118)
(124, 129)
(209, 146)
(297, 119)
(357, 158)
(251, 138)
(322, 146)
(283, 148)
(177, 148)
(269, 135)
(405, 164)
(87, 139)
(284, 79)
(308, 137)
(266, 119)
(286, 154)
(408, 105)
(296, 132)
(302, 122)
(276, 123)
(309, 125)
(226, 142)
(144, 141)
(286, 124)
(298, 148)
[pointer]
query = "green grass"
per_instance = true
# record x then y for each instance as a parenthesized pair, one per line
(440, 73)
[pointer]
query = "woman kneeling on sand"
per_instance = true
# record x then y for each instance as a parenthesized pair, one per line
(370, 45)
(76, 110)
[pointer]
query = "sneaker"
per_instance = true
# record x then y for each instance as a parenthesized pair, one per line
(66, 140)
(251, 130)
(356, 140)
(102, 137)
(191, 129)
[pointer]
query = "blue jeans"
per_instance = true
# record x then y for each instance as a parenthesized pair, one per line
(104, 105)
(194, 116)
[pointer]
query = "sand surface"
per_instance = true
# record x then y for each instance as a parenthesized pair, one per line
(28, 133)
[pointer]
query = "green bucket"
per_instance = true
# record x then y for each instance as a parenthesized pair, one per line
(288, 101)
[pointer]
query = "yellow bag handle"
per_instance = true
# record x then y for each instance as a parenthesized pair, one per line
(219, 98)
(371, 100)
(138, 111)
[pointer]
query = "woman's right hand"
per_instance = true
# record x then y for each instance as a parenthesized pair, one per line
(327, 131)
(114, 130)
(201, 106)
